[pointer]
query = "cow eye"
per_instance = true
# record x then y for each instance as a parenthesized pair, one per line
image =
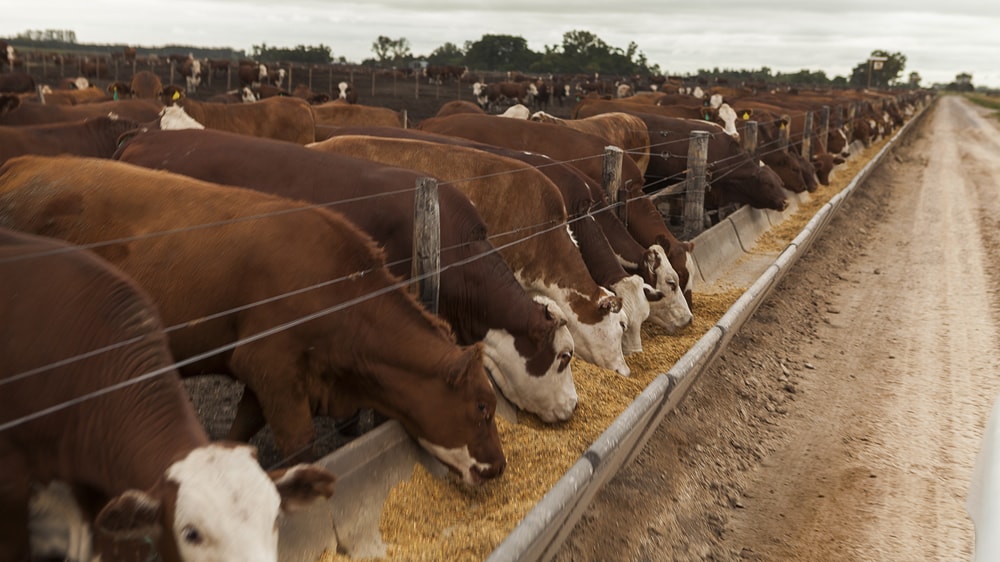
(191, 535)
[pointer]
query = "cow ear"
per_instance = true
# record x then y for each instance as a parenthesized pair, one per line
(610, 302)
(301, 485)
(130, 516)
(471, 357)
(652, 294)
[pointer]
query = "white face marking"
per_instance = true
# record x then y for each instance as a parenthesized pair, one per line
(517, 111)
(715, 100)
(552, 396)
(599, 344)
(636, 309)
(728, 116)
(174, 117)
(228, 503)
(671, 312)
(458, 458)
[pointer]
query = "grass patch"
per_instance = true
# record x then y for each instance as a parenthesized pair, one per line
(989, 102)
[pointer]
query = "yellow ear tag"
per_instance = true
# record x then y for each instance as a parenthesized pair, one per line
(746, 115)
(176, 96)
(783, 125)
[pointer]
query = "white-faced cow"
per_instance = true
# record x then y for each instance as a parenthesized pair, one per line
(91, 401)
(323, 328)
(527, 340)
(527, 219)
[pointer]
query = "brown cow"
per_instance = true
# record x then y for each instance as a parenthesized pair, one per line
(281, 117)
(585, 201)
(13, 112)
(314, 98)
(96, 137)
(625, 131)
(17, 82)
(458, 106)
(251, 73)
(146, 85)
(149, 472)
(340, 113)
(582, 150)
(523, 210)
(527, 340)
(291, 300)
(90, 94)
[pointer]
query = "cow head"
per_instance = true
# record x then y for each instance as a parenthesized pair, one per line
(454, 420)
(636, 296)
(671, 311)
(536, 375)
(171, 94)
(214, 504)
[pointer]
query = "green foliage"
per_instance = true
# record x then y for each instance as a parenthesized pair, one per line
(449, 53)
(53, 35)
(391, 50)
(319, 54)
(867, 74)
(499, 52)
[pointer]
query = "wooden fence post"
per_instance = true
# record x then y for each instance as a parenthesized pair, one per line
(426, 263)
(749, 138)
(807, 135)
(611, 178)
(824, 128)
(694, 195)
(784, 131)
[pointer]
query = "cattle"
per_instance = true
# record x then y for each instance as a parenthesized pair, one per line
(96, 137)
(340, 114)
(527, 342)
(314, 98)
(625, 131)
(146, 85)
(94, 68)
(492, 96)
(13, 112)
(243, 95)
(128, 53)
(90, 94)
(439, 73)
(585, 201)
(458, 106)
(218, 67)
(281, 117)
(581, 150)
(265, 91)
(16, 82)
(346, 92)
(324, 329)
(117, 424)
(524, 210)
(277, 77)
(251, 73)
(7, 56)
(190, 69)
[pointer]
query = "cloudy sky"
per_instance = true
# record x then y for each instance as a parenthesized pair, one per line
(939, 38)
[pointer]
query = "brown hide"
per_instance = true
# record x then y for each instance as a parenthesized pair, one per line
(97, 137)
(63, 305)
(478, 290)
(75, 97)
(625, 131)
(18, 82)
(146, 85)
(341, 113)
(581, 150)
(458, 106)
(331, 365)
(281, 118)
(140, 111)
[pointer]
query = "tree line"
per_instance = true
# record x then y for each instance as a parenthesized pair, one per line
(580, 52)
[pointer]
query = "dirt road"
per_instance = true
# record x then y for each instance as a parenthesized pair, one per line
(844, 419)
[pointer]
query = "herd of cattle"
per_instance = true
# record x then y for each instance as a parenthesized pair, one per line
(146, 235)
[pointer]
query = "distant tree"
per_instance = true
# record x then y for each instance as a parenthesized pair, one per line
(54, 35)
(391, 50)
(878, 74)
(499, 52)
(449, 53)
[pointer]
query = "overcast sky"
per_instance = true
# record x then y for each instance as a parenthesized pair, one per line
(940, 38)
